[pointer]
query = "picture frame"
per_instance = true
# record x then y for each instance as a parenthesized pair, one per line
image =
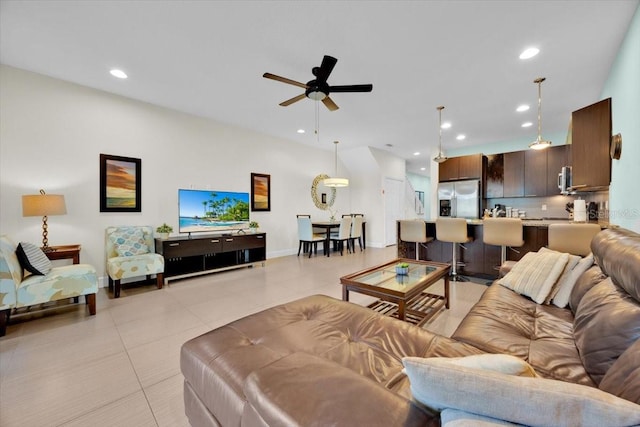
(120, 184)
(260, 192)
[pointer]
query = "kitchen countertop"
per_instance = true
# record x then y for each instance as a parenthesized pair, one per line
(535, 222)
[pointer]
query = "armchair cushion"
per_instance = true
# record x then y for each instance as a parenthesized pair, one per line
(33, 259)
(133, 266)
(61, 282)
(129, 241)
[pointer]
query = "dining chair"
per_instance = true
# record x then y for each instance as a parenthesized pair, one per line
(356, 231)
(307, 238)
(344, 235)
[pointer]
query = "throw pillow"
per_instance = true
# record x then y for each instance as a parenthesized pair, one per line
(571, 263)
(561, 299)
(32, 259)
(129, 242)
(534, 275)
(440, 384)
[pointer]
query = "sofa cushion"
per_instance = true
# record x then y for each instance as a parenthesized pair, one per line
(535, 274)
(586, 281)
(623, 378)
(617, 252)
(607, 322)
(504, 322)
(523, 400)
(306, 390)
(33, 259)
(456, 418)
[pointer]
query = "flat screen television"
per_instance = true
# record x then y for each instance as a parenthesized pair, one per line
(212, 211)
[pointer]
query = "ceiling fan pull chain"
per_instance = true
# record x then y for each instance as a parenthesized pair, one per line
(317, 123)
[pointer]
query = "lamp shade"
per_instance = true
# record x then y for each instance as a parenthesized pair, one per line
(336, 182)
(43, 205)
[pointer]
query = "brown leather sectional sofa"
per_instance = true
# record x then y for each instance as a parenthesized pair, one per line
(320, 361)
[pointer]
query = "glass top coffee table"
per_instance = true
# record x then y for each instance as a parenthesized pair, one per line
(401, 296)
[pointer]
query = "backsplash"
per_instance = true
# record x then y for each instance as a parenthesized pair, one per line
(555, 205)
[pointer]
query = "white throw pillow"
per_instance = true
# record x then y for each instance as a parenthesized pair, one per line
(440, 384)
(571, 263)
(535, 274)
(561, 299)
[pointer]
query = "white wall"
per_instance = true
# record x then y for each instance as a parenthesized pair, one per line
(52, 132)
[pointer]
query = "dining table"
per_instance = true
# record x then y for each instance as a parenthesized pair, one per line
(327, 226)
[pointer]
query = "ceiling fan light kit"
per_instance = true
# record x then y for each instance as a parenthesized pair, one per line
(440, 157)
(336, 182)
(318, 89)
(539, 143)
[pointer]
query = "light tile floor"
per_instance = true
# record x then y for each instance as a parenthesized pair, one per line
(121, 367)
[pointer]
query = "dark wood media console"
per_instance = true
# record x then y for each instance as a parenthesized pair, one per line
(186, 257)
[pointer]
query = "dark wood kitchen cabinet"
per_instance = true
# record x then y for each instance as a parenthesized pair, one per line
(591, 136)
(513, 174)
(462, 167)
(535, 173)
(557, 157)
(494, 177)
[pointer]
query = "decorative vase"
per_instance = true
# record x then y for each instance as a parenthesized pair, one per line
(403, 271)
(163, 236)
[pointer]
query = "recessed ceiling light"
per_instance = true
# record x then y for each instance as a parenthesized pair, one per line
(417, 153)
(300, 130)
(521, 108)
(446, 125)
(461, 137)
(423, 169)
(118, 73)
(529, 53)
(527, 124)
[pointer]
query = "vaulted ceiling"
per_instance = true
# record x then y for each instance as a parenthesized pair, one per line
(207, 58)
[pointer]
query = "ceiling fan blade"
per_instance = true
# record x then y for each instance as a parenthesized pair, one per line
(328, 102)
(292, 100)
(328, 62)
(351, 88)
(284, 80)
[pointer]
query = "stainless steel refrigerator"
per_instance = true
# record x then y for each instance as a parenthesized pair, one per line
(459, 199)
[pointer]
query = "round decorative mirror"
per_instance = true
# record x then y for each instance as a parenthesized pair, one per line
(323, 196)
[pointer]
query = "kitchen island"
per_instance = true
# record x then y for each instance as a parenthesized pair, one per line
(480, 260)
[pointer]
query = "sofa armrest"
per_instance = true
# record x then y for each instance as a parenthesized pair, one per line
(306, 390)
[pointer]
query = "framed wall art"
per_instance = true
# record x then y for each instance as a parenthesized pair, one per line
(260, 192)
(120, 179)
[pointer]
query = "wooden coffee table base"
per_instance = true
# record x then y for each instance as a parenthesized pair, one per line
(418, 311)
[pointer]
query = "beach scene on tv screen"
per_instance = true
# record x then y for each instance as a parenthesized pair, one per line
(212, 211)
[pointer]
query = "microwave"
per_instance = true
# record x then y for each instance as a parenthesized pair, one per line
(565, 181)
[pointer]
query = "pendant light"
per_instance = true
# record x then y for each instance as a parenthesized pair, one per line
(539, 144)
(440, 157)
(336, 182)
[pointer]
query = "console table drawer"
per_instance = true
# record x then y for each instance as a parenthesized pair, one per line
(234, 243)
(184, 248)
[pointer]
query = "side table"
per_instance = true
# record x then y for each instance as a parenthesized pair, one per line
(71, 252)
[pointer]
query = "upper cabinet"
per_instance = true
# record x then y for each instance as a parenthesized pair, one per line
(494, 180)
(463, 167)
(591, 136)
(535, 173)
(514, 174)
(557, 157)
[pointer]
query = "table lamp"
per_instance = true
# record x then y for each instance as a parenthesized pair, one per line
(43, 205)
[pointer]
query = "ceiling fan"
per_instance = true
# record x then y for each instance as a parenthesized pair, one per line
(318, 89)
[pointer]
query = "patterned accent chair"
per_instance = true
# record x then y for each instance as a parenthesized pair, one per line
(131, 253)
(18, 290)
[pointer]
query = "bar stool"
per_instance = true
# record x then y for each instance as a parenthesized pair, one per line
(502, 232)
(414, 231)
(453, 230)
